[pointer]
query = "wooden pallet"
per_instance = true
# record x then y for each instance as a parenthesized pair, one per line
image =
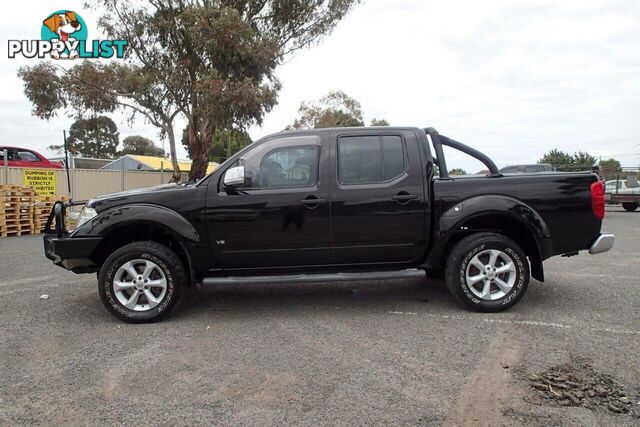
(16, 232)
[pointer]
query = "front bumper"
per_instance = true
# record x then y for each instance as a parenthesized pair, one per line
(72, 253)
(603, 243)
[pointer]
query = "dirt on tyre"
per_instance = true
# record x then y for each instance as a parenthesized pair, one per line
(630, 207)
(487, 272)
(141, 282)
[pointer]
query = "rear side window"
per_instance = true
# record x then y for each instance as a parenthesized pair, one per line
(370, 159)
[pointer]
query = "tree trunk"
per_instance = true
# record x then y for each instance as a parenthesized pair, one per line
(200, 147)
(199, 157)
(172, 149)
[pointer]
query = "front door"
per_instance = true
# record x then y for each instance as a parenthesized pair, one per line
(378, 204)
(279, 217)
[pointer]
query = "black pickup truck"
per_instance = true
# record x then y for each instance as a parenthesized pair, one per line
(332, 204)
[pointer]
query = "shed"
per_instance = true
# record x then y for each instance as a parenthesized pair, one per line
(133, 162)
(84, 162)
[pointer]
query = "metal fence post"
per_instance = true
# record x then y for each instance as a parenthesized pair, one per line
(6, 166)
(161, 172)
(72, 161)
(122, 179)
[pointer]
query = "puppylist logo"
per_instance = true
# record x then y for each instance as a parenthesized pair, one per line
(64, 36)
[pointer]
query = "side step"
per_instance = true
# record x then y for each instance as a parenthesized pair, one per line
(315, 277)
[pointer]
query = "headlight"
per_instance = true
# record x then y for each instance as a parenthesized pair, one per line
(85, 215)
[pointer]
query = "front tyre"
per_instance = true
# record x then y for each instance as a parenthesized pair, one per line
(630, 207)
(141, 282)
(487, 272)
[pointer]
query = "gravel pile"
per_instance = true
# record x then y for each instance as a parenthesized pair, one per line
(577, 384)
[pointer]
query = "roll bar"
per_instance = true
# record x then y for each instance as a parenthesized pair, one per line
(439, 140)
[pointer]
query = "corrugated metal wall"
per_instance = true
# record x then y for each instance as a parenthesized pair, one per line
(88, 183)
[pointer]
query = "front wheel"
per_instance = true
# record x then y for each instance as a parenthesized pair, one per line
(630, 207)
(141, 282)
(487, 272)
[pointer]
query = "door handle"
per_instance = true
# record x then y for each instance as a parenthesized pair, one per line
(312, 202)
(404, 197)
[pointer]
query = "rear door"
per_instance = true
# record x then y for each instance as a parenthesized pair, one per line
(378, 205)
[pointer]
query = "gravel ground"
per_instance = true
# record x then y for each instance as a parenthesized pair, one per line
(357, 353)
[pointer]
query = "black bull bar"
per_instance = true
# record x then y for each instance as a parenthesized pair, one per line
(59, 212)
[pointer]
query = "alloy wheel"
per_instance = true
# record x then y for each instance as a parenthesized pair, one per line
(140, 285)
(490, 274)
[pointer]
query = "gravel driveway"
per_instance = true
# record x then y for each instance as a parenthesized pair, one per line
(361, 353)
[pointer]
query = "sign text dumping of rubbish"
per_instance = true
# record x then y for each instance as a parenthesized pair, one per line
(42, 180)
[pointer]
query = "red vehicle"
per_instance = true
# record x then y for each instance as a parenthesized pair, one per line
(25, 158)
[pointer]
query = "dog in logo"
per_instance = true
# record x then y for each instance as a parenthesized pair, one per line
(64, 25)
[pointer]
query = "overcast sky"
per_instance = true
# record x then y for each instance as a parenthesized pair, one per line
(511, 78)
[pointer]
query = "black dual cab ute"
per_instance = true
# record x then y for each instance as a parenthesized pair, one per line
(327, 205)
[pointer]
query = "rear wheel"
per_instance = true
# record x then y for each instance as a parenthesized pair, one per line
(630, 207)
(141, 282)
(487, 272)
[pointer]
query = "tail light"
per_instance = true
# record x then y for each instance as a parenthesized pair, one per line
(597, 199)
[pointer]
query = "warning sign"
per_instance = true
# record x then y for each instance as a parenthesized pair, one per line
(42, 180)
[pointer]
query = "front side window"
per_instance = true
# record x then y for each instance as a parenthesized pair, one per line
(370, 159)
(281, 163)
(289, 167)
(13, 155)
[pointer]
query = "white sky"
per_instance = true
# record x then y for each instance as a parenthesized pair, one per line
(511, 78)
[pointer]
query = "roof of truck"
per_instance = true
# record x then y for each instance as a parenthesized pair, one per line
(354, 129)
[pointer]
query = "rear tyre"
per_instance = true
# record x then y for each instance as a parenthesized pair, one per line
(141, 282)
(630, 207)
(487, 272)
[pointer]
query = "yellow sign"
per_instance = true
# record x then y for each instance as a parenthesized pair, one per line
(42, 180)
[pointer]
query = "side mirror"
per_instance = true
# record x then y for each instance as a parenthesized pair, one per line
(234, 177)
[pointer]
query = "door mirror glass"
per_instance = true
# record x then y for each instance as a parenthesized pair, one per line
(234, 177)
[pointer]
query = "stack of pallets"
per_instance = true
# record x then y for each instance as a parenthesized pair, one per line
(3, 226)
(42, 208)
(23, 211)
(17, 205)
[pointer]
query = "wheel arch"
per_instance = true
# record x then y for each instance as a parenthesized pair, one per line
(498, 214)
(122, 225)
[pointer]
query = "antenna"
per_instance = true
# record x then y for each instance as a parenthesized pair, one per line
(66, 161)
